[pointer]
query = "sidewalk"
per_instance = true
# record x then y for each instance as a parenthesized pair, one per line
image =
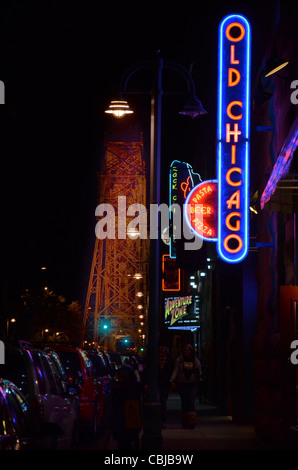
(213, 431)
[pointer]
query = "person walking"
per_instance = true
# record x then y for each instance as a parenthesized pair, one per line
(186, 375)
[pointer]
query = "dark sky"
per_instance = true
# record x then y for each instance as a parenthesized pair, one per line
(61, 63)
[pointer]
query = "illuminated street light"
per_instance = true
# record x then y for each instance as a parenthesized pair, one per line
(8, 321)
(43, 331)
(119, 108)
(133, 233)
(138, 276)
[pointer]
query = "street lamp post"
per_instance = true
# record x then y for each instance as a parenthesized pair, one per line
(152, 437)
(8, 321)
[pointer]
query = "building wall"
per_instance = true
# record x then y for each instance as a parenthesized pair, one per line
(275, 225)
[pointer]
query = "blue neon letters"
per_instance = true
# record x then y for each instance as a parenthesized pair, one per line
(233, 138)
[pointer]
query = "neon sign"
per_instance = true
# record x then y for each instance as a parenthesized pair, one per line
(171, 275)
(181, 180)
(176, 308)
(202, 200)
(182, 312)
(233, 132)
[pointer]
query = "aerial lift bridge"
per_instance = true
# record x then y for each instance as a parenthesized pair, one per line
(117, 297)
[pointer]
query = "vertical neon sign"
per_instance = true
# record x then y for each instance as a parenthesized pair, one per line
(233, 131)
(182, 180)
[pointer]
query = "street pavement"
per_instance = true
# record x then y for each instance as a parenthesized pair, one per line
(214, 431)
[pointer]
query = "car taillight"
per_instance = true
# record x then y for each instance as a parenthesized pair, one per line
(38, 409)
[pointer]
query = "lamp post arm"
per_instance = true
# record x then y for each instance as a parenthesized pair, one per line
(131, 71)
(184, 72)
(174, 66)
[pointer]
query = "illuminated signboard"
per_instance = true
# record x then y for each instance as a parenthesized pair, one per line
(233, 132)
(200, 210)
(182, 180)
(171, 275)
(182, 313)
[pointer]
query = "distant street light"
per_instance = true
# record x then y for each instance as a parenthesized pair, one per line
(43, 331)
(8, 321)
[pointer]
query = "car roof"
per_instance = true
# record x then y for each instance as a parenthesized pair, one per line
(6, 383)
(61, 347)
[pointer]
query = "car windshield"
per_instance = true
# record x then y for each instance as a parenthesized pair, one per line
(71, 363)
(116, 358)
(98, 365)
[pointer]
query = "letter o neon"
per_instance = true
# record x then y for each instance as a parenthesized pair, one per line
(242, 32)
(228, 238)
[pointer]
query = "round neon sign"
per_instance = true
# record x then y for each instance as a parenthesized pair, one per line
(200, 210)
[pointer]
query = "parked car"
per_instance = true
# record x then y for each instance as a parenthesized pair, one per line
(78, 368)
(63, 376)
(109, 363)
(19, 429)
(116, 360)
(38, 379)
(104, 378)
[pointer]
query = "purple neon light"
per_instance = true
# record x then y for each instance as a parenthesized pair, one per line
(282, 164)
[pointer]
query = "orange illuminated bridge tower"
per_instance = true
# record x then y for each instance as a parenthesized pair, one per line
(116, 302)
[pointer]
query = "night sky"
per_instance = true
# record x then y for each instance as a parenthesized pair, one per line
(61, 63)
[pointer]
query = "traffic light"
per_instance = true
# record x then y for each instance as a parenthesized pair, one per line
(105, 325)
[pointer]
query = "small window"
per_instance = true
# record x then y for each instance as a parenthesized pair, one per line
(56, 375)
(71, 363)
(88, 363)
(42, 388)
(50, 376)
(98, 364)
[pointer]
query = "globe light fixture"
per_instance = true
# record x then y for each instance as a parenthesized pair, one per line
(193, 108)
